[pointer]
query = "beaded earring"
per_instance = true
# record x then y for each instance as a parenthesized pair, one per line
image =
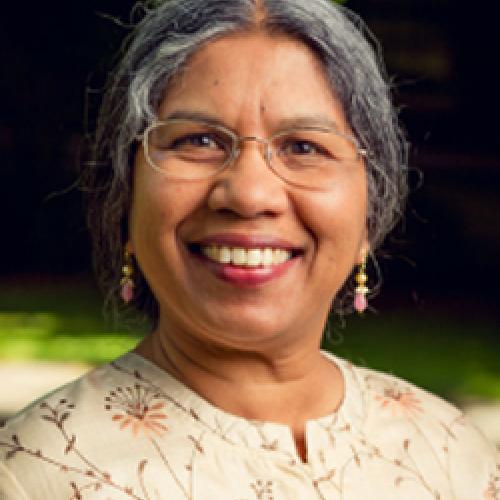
(127, 283)
(360, 300)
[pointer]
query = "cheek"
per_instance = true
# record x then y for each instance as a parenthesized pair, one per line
(335, 215)
(160, 206)
(336, 220)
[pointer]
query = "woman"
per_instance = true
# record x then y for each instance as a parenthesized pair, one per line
(248, 160)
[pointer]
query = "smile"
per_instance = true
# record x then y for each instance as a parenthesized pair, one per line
(246, 257)
(246, 260)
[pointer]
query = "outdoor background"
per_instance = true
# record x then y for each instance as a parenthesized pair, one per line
(436, 321)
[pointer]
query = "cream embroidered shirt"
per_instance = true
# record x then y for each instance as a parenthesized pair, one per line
(128, 430)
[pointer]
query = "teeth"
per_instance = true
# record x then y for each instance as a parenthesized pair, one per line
(212, 252)
(223, 255)
(267, 257)
(252, 257)
(239, 256)
(279, 256)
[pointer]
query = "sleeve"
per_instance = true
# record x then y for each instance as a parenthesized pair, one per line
(474, 465)
(10, 489)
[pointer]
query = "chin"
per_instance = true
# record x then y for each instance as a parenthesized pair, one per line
(246, 331)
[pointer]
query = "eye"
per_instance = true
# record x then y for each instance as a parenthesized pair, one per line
(205, 141)
(301, 147)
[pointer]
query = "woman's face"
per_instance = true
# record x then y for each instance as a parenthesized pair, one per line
(251, 84)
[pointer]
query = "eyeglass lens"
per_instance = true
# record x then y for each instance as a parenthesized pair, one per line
(187, 149)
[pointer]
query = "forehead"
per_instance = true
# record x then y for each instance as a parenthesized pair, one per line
(251, 74)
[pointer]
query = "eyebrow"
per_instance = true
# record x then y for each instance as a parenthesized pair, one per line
(284, 124)
(309, 121)
(195, 115)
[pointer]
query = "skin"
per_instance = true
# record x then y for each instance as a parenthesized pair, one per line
(251, 351)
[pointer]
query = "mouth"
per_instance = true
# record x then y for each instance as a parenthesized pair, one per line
(245, 261)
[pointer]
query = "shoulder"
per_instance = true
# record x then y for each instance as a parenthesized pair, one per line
(55, 440)
(429, 429)
(383, 391)
(70, 400)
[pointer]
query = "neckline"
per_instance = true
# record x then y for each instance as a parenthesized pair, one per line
(350, 406)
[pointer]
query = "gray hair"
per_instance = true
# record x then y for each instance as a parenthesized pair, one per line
(168, 33)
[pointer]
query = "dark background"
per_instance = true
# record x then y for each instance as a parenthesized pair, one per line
(442, 56)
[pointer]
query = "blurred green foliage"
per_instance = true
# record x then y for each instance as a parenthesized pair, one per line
(59, 337)
(61, 322)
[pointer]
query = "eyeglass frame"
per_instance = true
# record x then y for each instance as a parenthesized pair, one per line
(236, 142)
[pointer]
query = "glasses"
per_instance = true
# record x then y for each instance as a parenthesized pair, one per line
(310, 157)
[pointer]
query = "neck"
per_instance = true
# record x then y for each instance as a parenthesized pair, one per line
(283, 385)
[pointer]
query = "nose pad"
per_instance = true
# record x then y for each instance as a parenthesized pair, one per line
(263, 145)
(267, 152)
(268, 155)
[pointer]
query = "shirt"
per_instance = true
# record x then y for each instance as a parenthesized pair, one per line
(129, 430)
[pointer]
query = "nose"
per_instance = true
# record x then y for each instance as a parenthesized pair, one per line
(248, 187)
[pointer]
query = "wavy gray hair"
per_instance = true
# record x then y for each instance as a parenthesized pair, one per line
(168, 33)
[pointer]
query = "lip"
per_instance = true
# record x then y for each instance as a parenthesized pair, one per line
(247, 276)
(240, 276)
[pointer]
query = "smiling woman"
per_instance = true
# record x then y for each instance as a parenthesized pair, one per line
(247, 161)
(245, 209)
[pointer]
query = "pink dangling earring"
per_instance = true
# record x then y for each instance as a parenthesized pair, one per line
(360, 300)
(127, 283)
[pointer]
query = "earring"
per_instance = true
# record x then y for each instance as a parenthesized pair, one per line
(360, 300)
(127, 283)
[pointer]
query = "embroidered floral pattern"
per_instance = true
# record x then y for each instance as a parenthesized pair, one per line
(92, 477)
(345, 447)
(398, 401)
(263, 489)
(138, 408)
